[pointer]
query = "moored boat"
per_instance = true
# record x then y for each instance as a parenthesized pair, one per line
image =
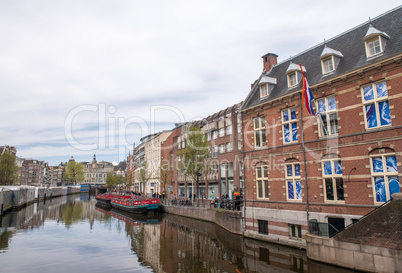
(137, 205)
(104, 198)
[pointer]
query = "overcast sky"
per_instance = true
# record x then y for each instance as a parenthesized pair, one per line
(81, 77)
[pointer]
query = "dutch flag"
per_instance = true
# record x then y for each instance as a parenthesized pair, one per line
(308, 96)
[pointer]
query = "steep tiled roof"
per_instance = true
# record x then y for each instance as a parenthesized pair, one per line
(350, 44)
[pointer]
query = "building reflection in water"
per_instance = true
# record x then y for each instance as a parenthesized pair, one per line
(166, 243)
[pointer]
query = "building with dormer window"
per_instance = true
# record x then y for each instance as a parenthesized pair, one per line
(302, 170)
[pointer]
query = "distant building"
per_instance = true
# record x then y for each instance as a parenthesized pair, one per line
(139, 161)
(95, 172)
(10, 149)
(120, 169)
(153, 161)
(56, 175)
(130, 170)
(34, 173)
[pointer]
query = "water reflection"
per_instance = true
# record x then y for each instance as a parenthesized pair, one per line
(99, 239)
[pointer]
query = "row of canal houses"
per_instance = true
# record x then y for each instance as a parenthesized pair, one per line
(295, 169)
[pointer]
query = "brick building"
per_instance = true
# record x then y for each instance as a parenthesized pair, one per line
(130, 170)
(223, 132)
(34, 173)
(56, 175)
(351, 158)
(169, 160)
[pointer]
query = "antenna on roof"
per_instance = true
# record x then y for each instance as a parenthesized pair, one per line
(325, 42)
(369, 20)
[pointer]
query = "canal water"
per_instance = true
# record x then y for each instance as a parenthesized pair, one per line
(72, 234)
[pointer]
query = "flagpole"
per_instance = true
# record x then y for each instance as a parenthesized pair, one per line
(305, 164)
(304, 151)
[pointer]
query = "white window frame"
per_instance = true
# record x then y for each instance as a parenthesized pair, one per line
(385, 174)
(260, 132)
(221, 148)
(229, 130)
(326, 69)
(333, 178)
(214, 134)
(221, 132)
(293, 179)
(261, 180)
(328, 114)
(376, 101)
(289, 122)
(372, 41)
(229, 147)
(214, 151)
(238, 124)
(263, 90)
(292, 82)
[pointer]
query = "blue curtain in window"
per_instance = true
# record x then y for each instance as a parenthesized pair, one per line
(371, 116)
(287, 132)
(298, 190)
(291, 190)
(381, 195)
(385, 114)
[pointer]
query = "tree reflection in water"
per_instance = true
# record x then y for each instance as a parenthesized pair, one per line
(161, 243)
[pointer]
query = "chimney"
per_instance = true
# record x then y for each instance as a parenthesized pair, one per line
(269, 60)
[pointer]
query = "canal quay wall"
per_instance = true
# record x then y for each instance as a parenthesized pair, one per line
(229, 220)
(15, 197)
(372, 244)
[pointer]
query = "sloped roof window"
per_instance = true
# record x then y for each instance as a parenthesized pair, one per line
(375, 42)
(266, 85)
(330, 59)
(294, 74)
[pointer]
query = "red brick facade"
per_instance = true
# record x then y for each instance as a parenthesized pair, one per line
(348, 192)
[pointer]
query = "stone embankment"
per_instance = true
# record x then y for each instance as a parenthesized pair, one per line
(229, 220)
(373, 244)
(14, 197)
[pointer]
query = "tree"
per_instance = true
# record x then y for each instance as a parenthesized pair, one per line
(144, 175)
(130, 179)
(195, 156)
(113, 180)
(164, 174)
(110, 180)
(74, 172)
(8, 169)
(120, 179)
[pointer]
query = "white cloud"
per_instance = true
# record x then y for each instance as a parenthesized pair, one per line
(199, 57)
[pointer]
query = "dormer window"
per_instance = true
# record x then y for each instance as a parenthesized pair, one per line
(375, 41)
(264, 90)
(266, 85)
(294, 75)
(330, 59)
(292, 79)
(327, 65)
(374, 47)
